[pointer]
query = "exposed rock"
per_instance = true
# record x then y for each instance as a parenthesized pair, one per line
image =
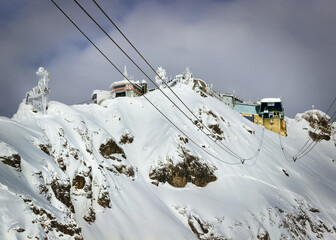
(123, 169)
(217, 131)
(49, 222)
(317, 119)
(20, 230)
(263, 235)
(82, 185)
(191, 169)
(14, 161)
(66, 228)
(314, 210)
(74, 152)
(249, 130)
(199, 124)
(104, 199)
(285, 172)
(317, 137)
(126, 138)
(183, 139)
(78, 182)
(202, 229)
(112, 170)
(320, 123)
(90, 216)
(46, 148)
(82, 182)
(109, 148)
(89, 151)
(212, 114)
(194, 224)
(85, 136)
(210, 119)
(204, 115)
(301, 221)
(88, 190)
(62, 193)
(61, 164)
(44, 191)
(115, 159)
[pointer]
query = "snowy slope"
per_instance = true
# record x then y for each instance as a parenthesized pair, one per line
(122, 171)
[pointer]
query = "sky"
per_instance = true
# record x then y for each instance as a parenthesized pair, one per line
(259, 48)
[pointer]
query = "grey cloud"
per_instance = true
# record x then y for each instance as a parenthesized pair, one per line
(259, 48)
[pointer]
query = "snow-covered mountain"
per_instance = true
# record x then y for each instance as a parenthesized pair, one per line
(122, 171)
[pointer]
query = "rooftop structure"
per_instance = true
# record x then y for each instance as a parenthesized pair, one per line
(124, 88)
(229, 99)
(128, 87)
(248, 110)
(271, 107)
(270, 100)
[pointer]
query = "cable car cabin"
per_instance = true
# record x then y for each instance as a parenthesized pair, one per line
(126, 89)
(272, 115)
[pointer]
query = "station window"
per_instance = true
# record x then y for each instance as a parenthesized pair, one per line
(121, 94)
(119, 86)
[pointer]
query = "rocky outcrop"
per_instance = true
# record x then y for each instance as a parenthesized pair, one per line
(14, 161)
(210, 119)
(303, 221)
(61, 164)
(104, 199)
(110, 148)
(90, 216)
(217, 131)
(190, 169)
(203, 230)
(46, 148)
(123, 169)
(62, 193)
(126, 138)
(78, 182)
(320, 123)
(263, 236)
(50, 223)
(82, 183)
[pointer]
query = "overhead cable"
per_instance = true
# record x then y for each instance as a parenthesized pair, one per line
(179, 129)
(308, 146)
(226, 149)
(308, 149)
